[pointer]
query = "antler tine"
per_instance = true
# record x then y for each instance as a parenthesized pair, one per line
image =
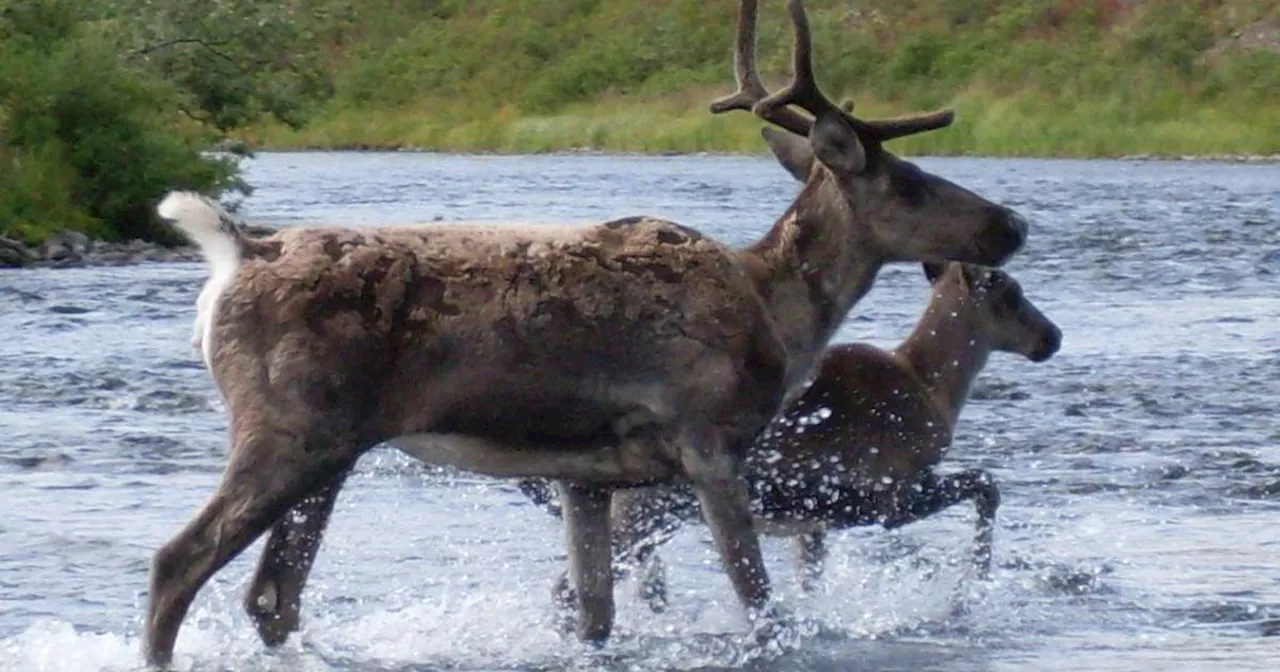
(803, 89)
(750, 89)
(888, 129)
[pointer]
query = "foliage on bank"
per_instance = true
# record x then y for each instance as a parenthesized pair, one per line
(1028, 77)
(86, 142)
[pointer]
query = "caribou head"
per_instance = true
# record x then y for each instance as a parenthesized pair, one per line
(909, 214)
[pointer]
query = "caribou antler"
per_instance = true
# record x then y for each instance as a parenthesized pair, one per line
(750, 89)
(803, 90)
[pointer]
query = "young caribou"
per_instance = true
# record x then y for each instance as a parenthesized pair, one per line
(627, 353)
(859, 446)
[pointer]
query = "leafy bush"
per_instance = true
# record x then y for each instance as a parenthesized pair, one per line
(239, 60)
(88, 144)
(1173, 35)
(36, 198)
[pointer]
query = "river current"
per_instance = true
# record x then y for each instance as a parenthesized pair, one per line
(1140, 466)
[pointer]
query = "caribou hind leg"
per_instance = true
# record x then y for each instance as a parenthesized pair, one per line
(643, 520)
(270, 470)
(811, 555)
(274, 598)
(936, 494)
(653, 584)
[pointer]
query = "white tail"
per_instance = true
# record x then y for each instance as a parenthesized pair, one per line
(209, 227)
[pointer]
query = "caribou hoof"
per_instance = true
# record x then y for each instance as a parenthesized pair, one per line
(775, 631)
(273, 620)
(564, 606)
(656, 599)
(982, 570)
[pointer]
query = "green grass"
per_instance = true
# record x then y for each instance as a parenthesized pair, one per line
(1081, 78)
(1027, 125)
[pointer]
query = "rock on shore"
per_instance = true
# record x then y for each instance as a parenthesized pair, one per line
(72, 249)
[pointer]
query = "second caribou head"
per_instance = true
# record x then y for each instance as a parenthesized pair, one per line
(1004, 315)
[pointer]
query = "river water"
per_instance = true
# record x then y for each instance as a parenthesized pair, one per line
(1140, 466)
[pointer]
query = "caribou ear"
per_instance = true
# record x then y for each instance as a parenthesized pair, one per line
(837, 146)
(791, 150)
(933, 270)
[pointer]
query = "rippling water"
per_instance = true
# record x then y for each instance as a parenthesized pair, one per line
(1141, 465)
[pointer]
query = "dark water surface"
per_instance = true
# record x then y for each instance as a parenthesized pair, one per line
(1141, 466)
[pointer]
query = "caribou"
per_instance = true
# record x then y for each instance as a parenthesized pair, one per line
(621, 354)
(860, 445)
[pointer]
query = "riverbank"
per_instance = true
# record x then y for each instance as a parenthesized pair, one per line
(72, 249)
(1027, 79)
(75, 250)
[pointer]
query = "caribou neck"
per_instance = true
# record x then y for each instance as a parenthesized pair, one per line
(810, 269)
(946, 351)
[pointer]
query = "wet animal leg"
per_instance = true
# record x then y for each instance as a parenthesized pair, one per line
(722, 493)
(586, 518)
(811, 553)
(274, 598)
(269, 472)
(936, 494)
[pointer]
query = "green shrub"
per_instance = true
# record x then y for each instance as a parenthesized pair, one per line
(36, 197)
(88, 144)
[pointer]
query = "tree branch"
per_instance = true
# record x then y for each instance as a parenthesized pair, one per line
(210, 46)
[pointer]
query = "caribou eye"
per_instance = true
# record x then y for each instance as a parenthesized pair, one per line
(908, 182)
(1012, 299)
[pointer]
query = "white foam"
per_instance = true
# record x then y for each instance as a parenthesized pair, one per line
(56, 646)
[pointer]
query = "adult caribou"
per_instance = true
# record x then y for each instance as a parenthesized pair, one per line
(632, 352)
(860, 445)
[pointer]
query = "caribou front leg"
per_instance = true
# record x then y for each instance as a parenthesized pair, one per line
(936, 494)
(722, 493)
(274, 598)
(586, 524)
